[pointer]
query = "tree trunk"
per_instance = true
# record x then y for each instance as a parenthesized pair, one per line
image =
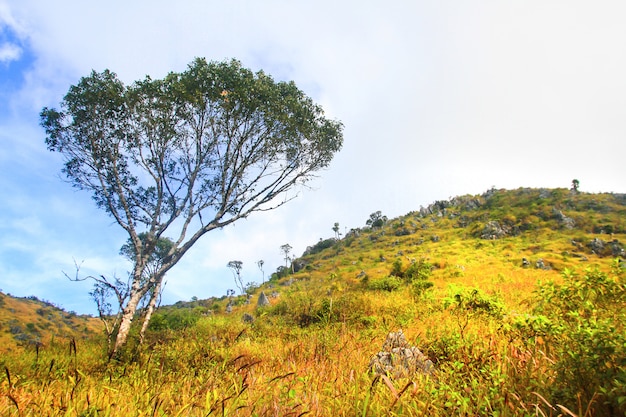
(150, 309)
(137, 292)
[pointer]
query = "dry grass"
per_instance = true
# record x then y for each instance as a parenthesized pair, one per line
(308, 353)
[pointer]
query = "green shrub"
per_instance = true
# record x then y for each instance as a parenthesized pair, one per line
(320, 246)
(588, 340)
(467, 304)
(175, 319)
(305, 309)
(396, 269)
(389, 283)
(420, 270)
(419, 287)
(473, 301)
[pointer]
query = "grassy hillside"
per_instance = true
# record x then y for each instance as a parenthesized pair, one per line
(29, 321)
(516, 297)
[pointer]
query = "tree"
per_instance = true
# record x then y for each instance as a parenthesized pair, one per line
(336, 230)
(286, 249)
(152, 279)
(575, 185)
(376, 220)
(236, 266)
(187, 154)
(260, 264)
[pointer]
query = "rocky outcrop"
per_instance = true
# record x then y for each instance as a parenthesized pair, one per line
(566, 222)
(494, 230)
(597, 246)
(617, 249)
(440, 208)
(399, 359)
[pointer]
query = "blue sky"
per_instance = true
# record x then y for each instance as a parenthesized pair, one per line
(438, 99)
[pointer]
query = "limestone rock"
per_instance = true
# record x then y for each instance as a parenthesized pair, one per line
(494, 230)
(399, 359)
(565, 221)
(617, 249)
(263, 300)
(597, 245)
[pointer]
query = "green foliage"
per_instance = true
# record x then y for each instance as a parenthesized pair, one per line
(417, 270)
(376, 220)
(162, 155)
(320, 246)
(420, 270)
(587, 335)
(389, 283)
(417, 275)
(396, 268)
(281, 272)
(473, 301)
(419, 287)
(177, 319)
(304, 309)
(467, 304)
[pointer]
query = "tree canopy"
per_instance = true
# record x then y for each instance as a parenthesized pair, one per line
(180, 156)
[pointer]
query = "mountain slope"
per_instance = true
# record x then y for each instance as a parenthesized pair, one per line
(481, 286)
(29, 321)
(503, 242)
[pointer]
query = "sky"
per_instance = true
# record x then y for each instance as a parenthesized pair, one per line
(437, 98)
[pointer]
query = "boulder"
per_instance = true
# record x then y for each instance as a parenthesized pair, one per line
(617, 249)
(597, 245)
(566, 222)
(540, 264)
(263, 300)
(494, 230)
(399, 359)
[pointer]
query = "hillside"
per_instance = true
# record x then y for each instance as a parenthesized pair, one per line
(503, 241)
(505, 303)
(30, 321)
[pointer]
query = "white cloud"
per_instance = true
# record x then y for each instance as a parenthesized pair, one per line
(9, 49)
(9, 52)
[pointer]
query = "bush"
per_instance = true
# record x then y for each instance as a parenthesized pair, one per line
(177, 319)
(467, 304)
(320, 246)
(305, 309)
(419, 287)
(587, 336)
(473, 301)
(396, 269)
(389, 283)
(281, 272)
(420, 270)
